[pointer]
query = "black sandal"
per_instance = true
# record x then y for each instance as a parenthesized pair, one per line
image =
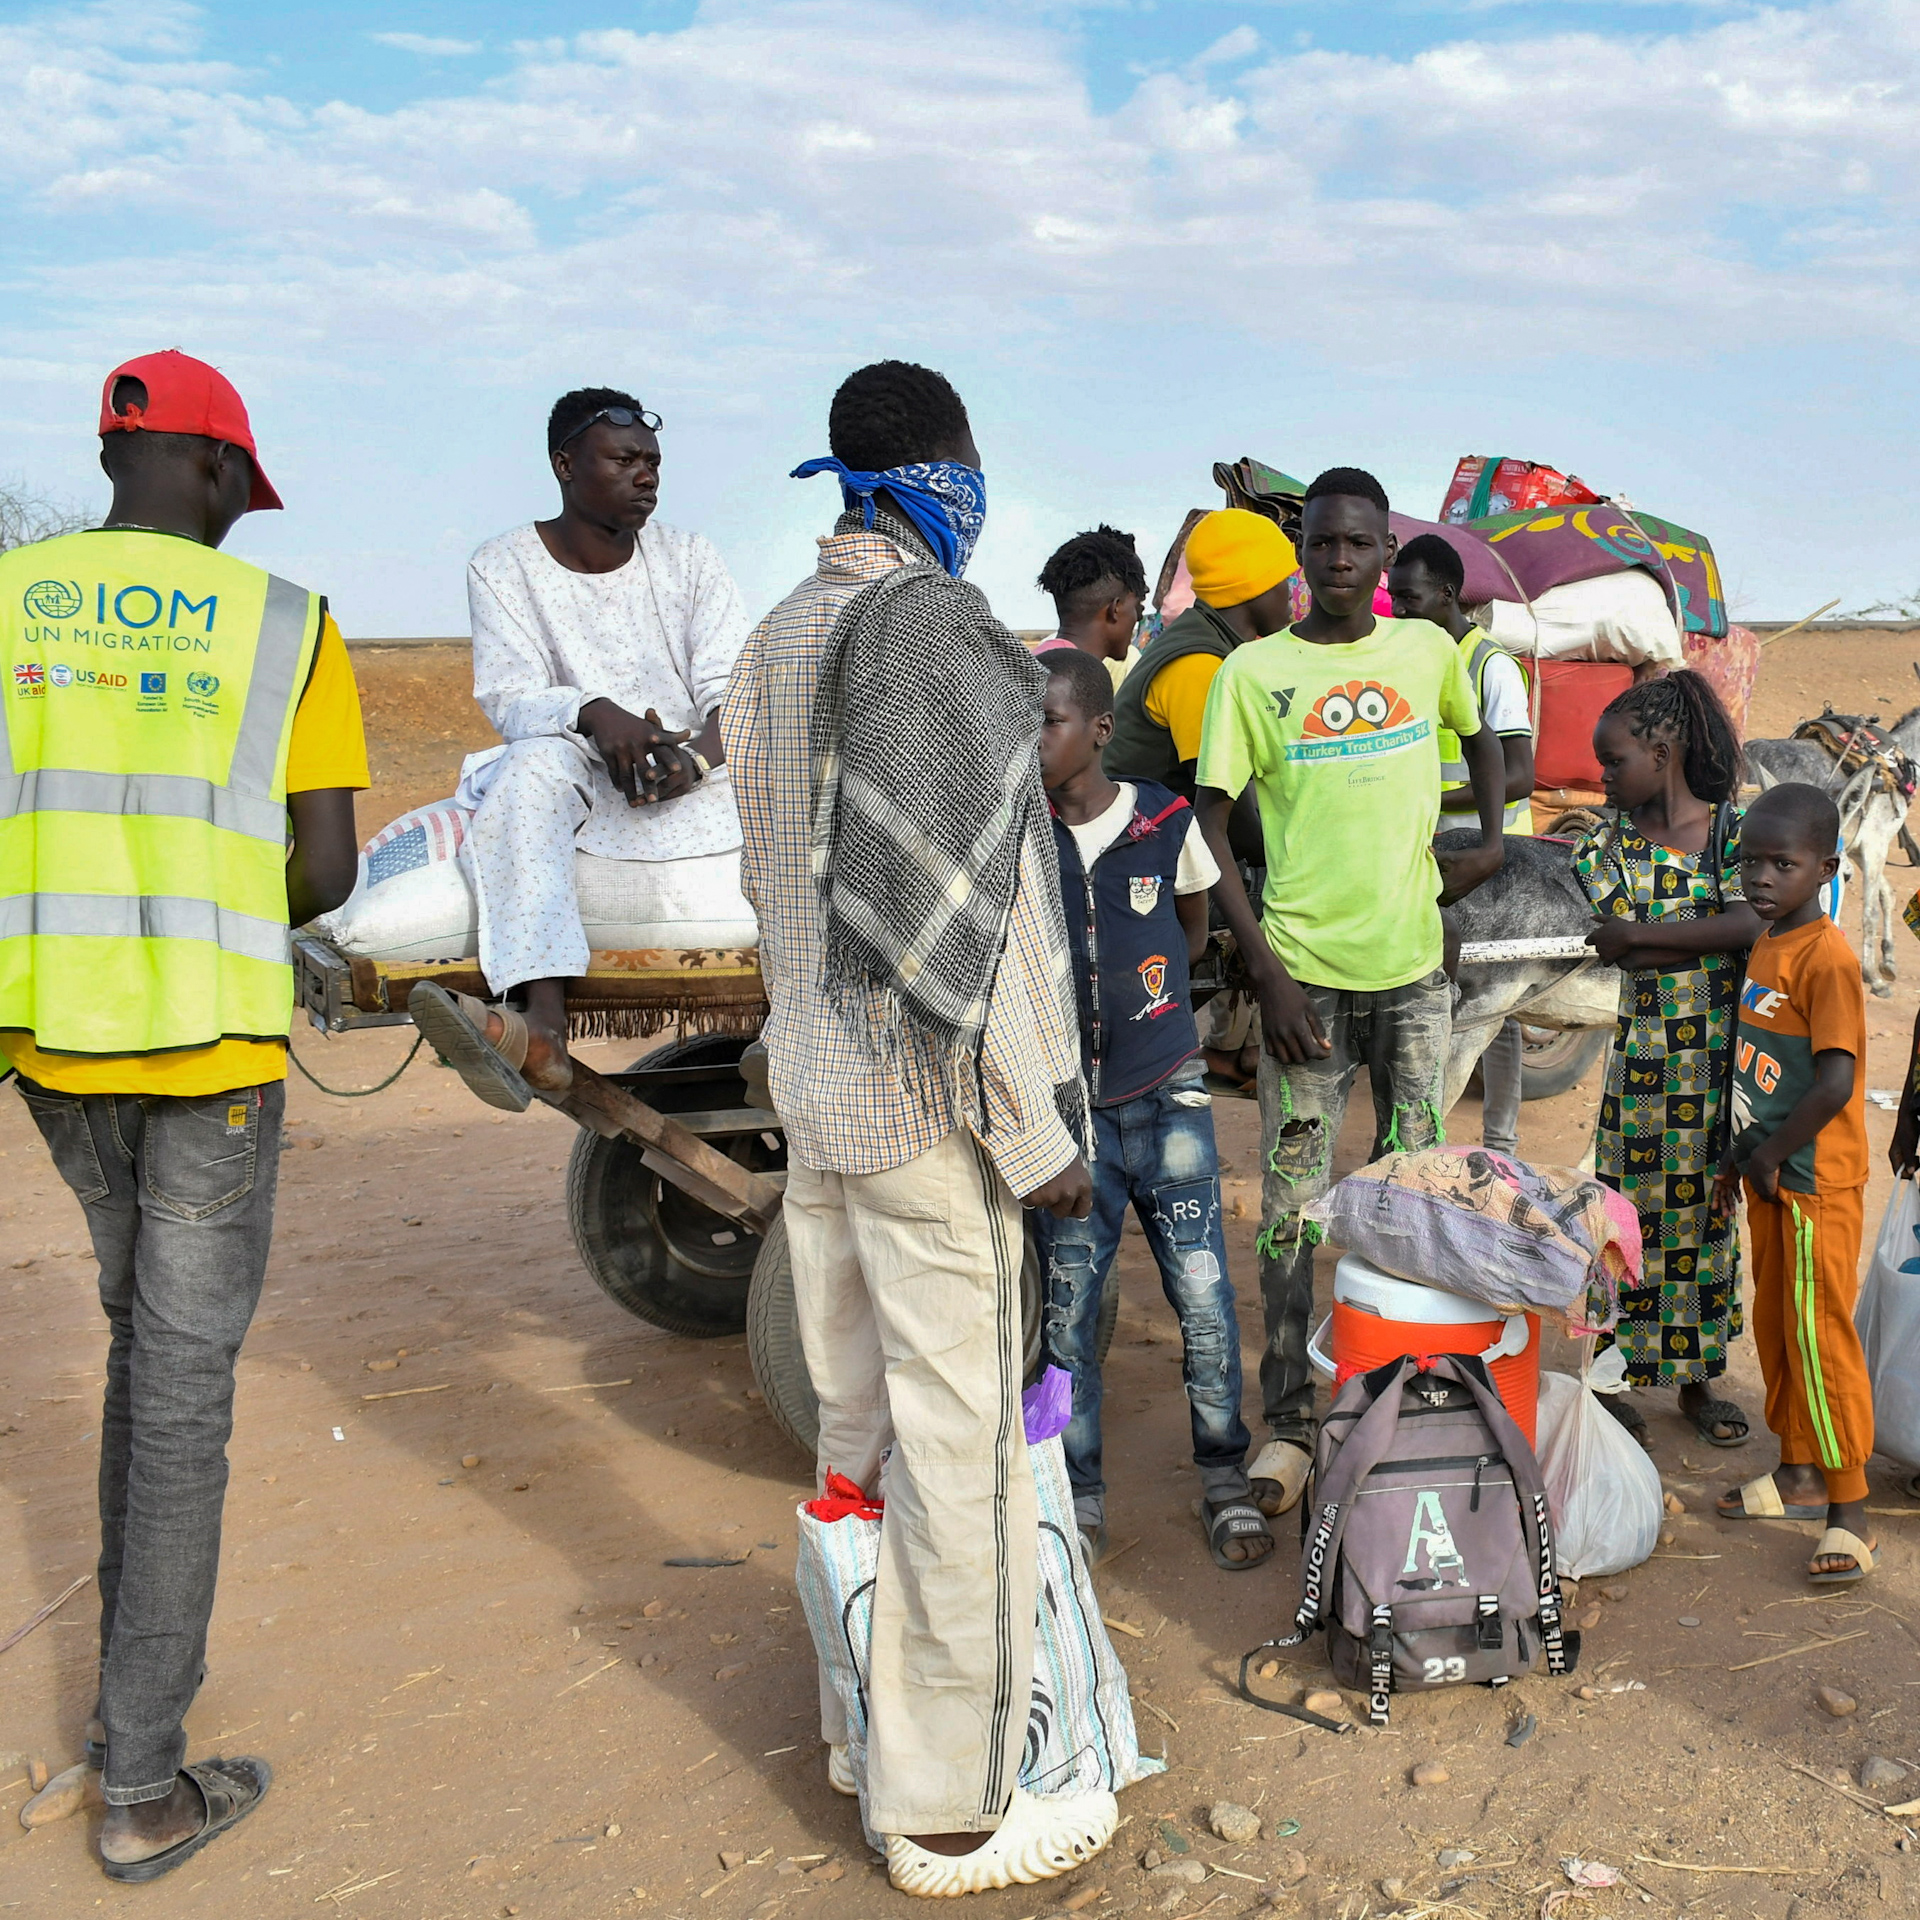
(1235, 1520)
(1717, 1413)
(1629, 1417)
(231, 1789)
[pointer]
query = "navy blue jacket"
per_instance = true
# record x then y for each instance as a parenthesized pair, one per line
(1130, 950)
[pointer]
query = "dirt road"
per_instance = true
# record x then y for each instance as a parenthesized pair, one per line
(482, 1693)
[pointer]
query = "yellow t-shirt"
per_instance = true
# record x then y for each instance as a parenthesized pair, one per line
(328, 749)
(1177, 699)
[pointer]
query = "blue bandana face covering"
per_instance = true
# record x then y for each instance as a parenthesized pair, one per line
(946, 502)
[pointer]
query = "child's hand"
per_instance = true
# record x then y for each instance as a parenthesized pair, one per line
(1612, 939)
(1726, 1188)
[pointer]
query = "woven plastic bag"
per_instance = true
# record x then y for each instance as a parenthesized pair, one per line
(1888, 1317)
(1603, 1487)
(1080, 1731)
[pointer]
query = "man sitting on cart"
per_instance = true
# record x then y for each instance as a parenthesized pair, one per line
(602, 646)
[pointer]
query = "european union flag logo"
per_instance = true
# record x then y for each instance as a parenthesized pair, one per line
(153, 683)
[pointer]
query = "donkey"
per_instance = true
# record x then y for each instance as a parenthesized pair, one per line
(1871, 820)
(1536, 895)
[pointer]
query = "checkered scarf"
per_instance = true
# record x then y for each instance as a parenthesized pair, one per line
(926, 802)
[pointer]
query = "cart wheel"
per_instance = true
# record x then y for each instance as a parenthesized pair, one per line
(780, 1368)
(660, 1254)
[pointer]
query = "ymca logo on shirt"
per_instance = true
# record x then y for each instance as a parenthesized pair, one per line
(1357, 720)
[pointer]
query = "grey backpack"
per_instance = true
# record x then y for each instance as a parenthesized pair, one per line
(1428, 1554)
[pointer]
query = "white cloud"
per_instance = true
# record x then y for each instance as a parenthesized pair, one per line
(429, 46)
(800, 182)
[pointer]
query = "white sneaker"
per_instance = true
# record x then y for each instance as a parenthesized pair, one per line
(1042, 1837)
(840, 1773)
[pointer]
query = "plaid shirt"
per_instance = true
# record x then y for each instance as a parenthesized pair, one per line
(844, 1111)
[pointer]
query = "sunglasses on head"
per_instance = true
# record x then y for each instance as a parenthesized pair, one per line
(616, 417)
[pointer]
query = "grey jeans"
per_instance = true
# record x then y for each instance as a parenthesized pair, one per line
(1500, 1089)
(1401, 1038)
(179, 1200)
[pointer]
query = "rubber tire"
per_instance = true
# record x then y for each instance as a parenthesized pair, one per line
(780, 1367)
(610, 1196)
(1563, 1063)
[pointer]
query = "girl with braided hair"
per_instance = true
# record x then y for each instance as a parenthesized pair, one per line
(1664, 876)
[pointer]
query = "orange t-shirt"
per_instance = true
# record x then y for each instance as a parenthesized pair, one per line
(1802, 998)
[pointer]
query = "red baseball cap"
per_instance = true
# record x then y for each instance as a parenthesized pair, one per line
(185, 395)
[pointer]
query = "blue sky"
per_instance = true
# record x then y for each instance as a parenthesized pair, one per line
(1668, 247)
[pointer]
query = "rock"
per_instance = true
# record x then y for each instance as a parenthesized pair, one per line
(653, 1610)
(1289, 1869)
(1668, 1537)
(830, 1870)
(1173, 1839)
(480, 1867)
(381, 1366)
(63, 1796)
(1589, 1618)
(1084, 1898)
(469, 1460)
(1392, 1889)
(729, 1860)
(1325, 1700)
(1151, 1858)
(1185, 1872)
(1876, 1771)
(1674, 1504)
(1832, 1700)
(733, 1672)
(1455, 1857)
(613, 1832)
(1586, 1693)
(1429, 1773)
(36, 1772)
(1267, 1669)
(1689, 1620)
(1615, 1592)
(1237, 1825)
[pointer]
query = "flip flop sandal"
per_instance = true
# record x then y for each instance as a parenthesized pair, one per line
(1717, 1413)
(1093, 1544)
(1837, 1540)
(1223, 1087)
(455, 1026)
(1760, 1500)
(1279, 1476)
(231, 1789)
(1234, 1520)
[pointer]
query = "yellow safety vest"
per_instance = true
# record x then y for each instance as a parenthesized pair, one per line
(147, 690)
(1476, 650)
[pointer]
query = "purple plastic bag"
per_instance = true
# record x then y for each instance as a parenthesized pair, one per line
(1047, 1405)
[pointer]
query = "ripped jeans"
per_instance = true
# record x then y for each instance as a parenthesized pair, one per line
(1156, 1152)
(1401, 1038)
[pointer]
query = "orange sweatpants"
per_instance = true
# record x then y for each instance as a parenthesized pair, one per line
(1806, 1277)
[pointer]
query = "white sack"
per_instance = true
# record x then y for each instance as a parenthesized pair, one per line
(1620, 616)
(1601, 1483)
(1888, 1318)
(414, 900)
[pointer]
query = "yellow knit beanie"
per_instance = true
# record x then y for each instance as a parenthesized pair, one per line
(1235, 556)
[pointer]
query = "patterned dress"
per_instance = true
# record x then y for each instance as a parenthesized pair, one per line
(1659, 1137)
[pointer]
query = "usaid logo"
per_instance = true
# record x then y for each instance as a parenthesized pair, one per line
(53, 599)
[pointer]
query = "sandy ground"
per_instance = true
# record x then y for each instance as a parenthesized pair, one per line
(482, 1693)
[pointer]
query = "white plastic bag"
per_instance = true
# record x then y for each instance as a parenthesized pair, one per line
(1604, 1489)
(1619, 616)
(1080, 1731)
(1888, 1318)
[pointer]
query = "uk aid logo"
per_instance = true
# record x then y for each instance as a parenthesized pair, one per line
(29, 679)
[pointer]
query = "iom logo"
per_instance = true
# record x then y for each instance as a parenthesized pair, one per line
(53, 599)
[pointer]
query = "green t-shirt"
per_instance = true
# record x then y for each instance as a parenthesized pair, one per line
(1341, 744)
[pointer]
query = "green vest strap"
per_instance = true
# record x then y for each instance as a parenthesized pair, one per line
(1478, 650)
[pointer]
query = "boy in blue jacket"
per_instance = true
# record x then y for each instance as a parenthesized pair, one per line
(1134, 873)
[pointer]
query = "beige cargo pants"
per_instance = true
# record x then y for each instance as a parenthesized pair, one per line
(908, 1289)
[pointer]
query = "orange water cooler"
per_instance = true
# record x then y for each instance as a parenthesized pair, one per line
(1378, 1317)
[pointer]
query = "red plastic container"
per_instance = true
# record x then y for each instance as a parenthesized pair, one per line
(1573, 693)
